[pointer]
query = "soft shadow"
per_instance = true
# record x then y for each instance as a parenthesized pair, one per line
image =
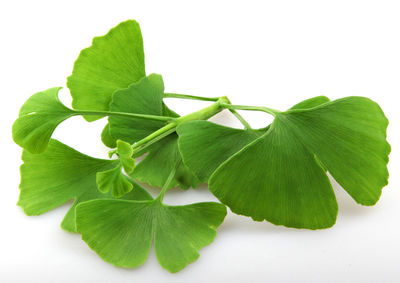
(347, 205)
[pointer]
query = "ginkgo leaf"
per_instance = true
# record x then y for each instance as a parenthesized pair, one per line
(61, 174)
(311, 102)
(160, 160)
(205, 145)
(106, 137)
(38, 118)
(114, 61)
(121, 232)
(113, 180)
(145, 97)
(278, 178)
(125, 153)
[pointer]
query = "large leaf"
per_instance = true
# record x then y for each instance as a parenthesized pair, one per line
(121, 232)
(114, 61)
(38, 118)
(61, 174)
(205, 145)
(278, 178)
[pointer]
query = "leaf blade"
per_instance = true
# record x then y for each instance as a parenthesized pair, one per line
(113, 61)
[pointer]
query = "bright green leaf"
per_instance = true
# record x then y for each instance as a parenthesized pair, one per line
(121, 232)
(205, 145)
(124, 149)
(113, 180)
(61, 174)
(143, 97)
(160, 161)
(38, 118)
(107, 138)
(311, 102)
(114, 61)
(278, 178)
(125, 152)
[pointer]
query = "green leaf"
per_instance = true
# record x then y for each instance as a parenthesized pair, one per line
(125, 152)
(311, 102)
(162, 156)
(143, 97)
(121, 232)
(114, 61)
(61, 174)
(38, 118)
(107, 138)
(113, 180)
(124, 149)
(278, 178)
(205, 145)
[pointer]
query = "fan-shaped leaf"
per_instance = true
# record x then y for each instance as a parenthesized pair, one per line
(61, 174)
(205, 145)
(278, 178)
(38, 118)
(121, 231)
(114, 61)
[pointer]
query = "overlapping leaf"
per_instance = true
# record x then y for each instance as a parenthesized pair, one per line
(145, 97)
(61, 174)
(205, 145)
(122, 231)
(38, 118)
(114, 61)
(277, 176)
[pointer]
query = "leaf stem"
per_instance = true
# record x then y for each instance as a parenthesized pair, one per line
(202, 114)
(186, 96)
(241, 119)
(124, 114)
(171, 175)
(271, 111)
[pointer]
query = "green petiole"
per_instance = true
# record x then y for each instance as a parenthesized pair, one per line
(123, 114)
(193, 97)
(271, 111)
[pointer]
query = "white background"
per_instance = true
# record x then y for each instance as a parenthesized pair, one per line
(271, 53)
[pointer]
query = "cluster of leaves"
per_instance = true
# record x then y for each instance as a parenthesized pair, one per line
(277, 173)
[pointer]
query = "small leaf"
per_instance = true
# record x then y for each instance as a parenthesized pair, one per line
(121, 232)
(278, 178)
(61, 174)
(114, 61)
(124, 149)
(125, 153)
(38, 118)
(205, 145)
(113, 180)
(106, 137)
(128, 164)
